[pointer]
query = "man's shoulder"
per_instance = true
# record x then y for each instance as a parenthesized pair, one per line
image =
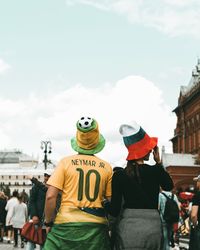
(102, 160)
(167, 193)
(12, 200)
(105, 165)
(164, 195)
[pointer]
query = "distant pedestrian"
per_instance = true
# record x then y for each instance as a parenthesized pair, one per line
(85, 180)
(19, 217)
(37, 203)
(3, 201)
(195, 218)
(138, 186)
(44, 186)
(9, 208)
(168, 227)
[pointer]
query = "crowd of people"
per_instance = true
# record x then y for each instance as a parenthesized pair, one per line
(13, 215)
(85, 204)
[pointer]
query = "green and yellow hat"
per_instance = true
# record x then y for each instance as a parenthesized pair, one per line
(88, 140)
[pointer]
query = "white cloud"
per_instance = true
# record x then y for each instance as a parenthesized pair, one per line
(5, 140)
(10, 108)
(54, 116)
(173, 72)
(182, 3)
(173, 17)
(3, 66)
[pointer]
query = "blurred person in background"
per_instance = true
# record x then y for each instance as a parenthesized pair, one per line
(37, 203)
(195, 218)
(19, 217)
(3, 201)
(168, 228)
(9, 208)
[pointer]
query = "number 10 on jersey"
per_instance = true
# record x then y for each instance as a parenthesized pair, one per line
(86, 179)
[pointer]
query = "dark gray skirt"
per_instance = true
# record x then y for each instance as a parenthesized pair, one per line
(139, 229)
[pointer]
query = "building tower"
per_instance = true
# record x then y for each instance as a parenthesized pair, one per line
(186, 138)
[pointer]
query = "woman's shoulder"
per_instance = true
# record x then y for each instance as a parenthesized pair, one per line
(23, 204)
(154, 167)
(119, 173)
(148, 167)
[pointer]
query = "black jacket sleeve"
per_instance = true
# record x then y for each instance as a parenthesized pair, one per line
(166, 182)
(33, 202)
(114, 207)
(39, 184)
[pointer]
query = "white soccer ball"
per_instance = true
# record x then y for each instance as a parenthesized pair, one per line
(85, 122)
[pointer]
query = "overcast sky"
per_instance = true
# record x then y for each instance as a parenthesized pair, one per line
(114, 60)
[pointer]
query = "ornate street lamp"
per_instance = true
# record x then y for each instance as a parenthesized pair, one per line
(46, 147)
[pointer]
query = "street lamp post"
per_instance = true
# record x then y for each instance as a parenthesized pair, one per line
(46, 147)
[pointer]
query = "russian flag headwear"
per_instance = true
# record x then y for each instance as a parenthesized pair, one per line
(137, 141)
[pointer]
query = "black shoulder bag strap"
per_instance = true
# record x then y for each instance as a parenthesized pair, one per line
(168, 196)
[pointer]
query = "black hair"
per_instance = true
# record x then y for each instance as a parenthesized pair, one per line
(132, 170)
(20, 197)
(15, 193)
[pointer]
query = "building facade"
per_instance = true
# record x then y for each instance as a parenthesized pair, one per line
(15, 167)
(186, 138)
(182, 168)
(184, 164)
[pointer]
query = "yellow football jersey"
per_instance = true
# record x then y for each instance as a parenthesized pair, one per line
(85, 180)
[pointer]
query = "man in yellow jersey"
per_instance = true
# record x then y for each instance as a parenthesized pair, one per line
(84, 180)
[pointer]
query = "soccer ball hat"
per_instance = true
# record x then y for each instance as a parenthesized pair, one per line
(88, 140)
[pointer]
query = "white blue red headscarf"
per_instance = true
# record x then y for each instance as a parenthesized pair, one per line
(137, 141)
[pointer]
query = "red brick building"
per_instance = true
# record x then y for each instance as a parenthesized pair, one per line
(187, 133)
(186, 140)
(182, 168)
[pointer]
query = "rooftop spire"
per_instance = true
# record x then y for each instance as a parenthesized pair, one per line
(198, 65)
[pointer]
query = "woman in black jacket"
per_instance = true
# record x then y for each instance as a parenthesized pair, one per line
(138, 185)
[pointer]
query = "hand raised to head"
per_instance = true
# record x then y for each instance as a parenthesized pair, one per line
(156, 155)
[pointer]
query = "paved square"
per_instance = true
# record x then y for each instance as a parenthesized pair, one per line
(5, 246)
